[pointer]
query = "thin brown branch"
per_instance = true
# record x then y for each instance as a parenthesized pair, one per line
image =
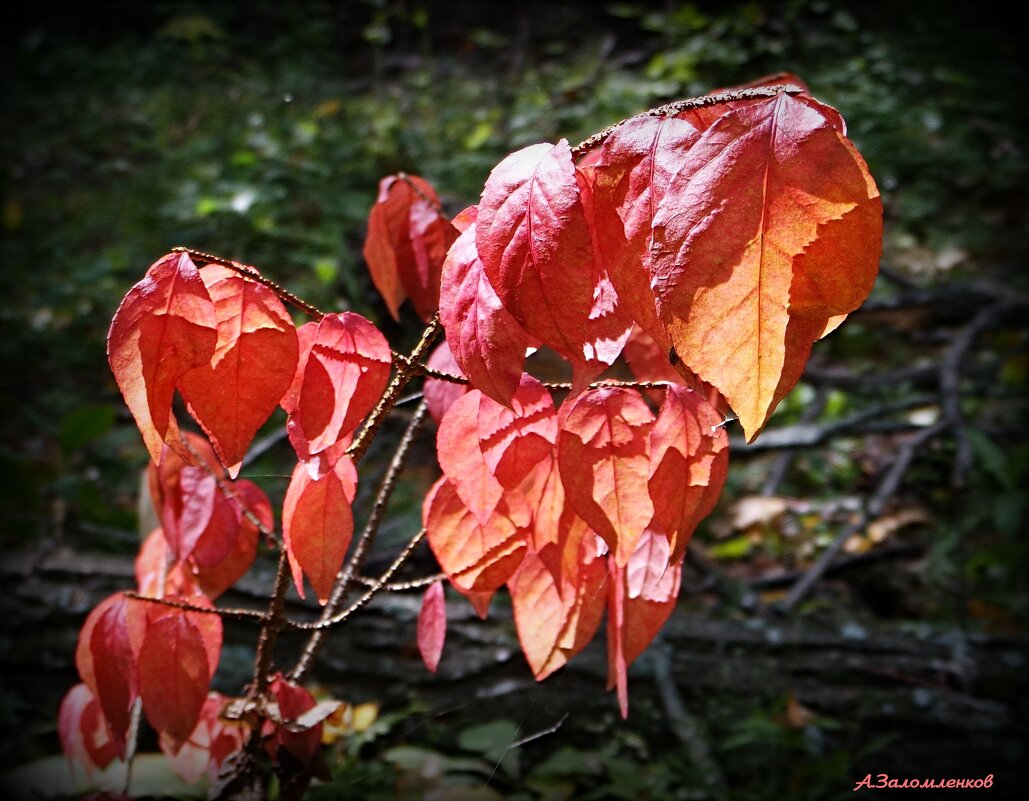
(371, 593)
(254, 275)
(401, 586)
(405, 372)
(233, 614)
(273, 623)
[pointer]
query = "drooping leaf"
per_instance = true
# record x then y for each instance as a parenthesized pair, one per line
(432, 625)
(407, 240)
(536, 247)
(641, 597)
(485, 339)
(514, 440)
(477, 557)
(632, 172)
(215, 577)
(174, 675)
(462, 460)
(106, 662)
(318, 524)
(345, 372)
(252, 366)
(83, 731)
(604, 458)
(439, 394)
(689, 461)
(208, 626)
(553, 625)
(557, 530)
(772, 222)
(165, 327)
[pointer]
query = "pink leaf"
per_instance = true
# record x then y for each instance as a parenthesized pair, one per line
(432, 625)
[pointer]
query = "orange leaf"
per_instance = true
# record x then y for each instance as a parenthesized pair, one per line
(689, 461)
(604, 455)
(407, 241)
(165, 327)
(252, 366)
(317, 524)
(773, 223)
(641, 598)
(536, 247)
(477, 557)
(553, 625)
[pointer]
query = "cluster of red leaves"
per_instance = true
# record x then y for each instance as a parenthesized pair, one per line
(577, 510)
(708, 247)
(734, 235)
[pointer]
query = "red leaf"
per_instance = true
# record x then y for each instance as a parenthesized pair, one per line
(462, 460)
(318, 524)
(536, 246)
(301, 743)
(252, 366)
(165, 327)
(432, 625)
(553, 625)
(209, 626)
(174, 675)
(642, 596)
(485, 340)
(83, 731)
(477, 557)
(345, 372)
(153, 563)
(514, 440)
(689, 461)
(407, 241)
(633, 169)
(216, 577)
(440, 395)
(604, 458)
(109, 670)
(797, 244)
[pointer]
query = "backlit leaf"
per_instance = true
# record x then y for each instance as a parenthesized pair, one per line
(536, 246)
(689, 461)
(485, 340)
(772, 224)
(407, 241)
(553, 625)
(477, 557)
(318, 524)
(252, 366)
(165, 327)
(344, 374)
(641, 597)
(440, 395)
(432, 625)
(604, 458)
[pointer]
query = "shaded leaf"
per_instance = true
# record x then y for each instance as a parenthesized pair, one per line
(174, 675)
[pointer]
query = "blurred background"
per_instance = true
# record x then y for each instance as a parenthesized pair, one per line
(857, 602)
